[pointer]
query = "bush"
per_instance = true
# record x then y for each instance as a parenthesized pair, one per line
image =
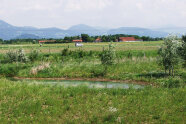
(9, 70)
(107, 56)
(33, 56)
(172, 83)
(98, 72)
(10, 57)
(17, 56)
(65, 52)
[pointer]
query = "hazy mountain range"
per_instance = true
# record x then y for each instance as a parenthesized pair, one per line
(8, 31)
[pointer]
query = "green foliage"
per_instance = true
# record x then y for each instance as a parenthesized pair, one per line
(87, 38)
(182, 50)
(33, 56)
(108, 55)
(9, 70)
(65, 52)
(1, 41)
(172, 83)
(11, 57)
(15, 56)
(21, 57)
(168, 53)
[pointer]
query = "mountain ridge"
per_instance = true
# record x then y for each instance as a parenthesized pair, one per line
(8, 31)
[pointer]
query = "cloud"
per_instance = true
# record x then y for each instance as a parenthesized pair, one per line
(106, 13)
(74, 5)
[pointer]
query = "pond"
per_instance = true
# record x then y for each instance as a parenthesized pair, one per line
(90, 84)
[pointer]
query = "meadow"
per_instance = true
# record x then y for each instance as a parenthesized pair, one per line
(161, 101)
(21, 102)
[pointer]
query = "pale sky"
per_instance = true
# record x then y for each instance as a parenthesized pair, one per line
(104, 13)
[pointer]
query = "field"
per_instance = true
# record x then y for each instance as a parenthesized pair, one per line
(56, 48)
(23, 103)
(161, 101)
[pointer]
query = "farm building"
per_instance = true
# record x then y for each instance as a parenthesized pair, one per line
(77, 41)
(126, 39)
(98, 40)
(46, 41)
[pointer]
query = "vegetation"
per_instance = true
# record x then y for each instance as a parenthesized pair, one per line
(85, 38)
(163, 101)
(107, 56)
(169, 56)
(38, 103)
(182, 50)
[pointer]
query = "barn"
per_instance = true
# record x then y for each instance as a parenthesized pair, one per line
(77, 41)
(126, 39)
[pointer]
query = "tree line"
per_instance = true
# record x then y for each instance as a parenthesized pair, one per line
(84, 37)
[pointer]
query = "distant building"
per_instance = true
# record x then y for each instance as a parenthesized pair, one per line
(77, 41)
(98, 40)
(126, 39)
(46, 41)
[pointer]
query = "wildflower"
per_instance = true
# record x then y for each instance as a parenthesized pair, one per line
(111, 109)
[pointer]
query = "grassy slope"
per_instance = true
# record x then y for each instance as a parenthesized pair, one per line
(29, 103)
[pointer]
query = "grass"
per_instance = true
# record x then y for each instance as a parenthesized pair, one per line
(139, 63)
(31, 103)
(21, 102)
(56, 48)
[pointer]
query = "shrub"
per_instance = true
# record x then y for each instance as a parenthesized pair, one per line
(98, 72)
(9, 70)
(65, 52)
(11, 57)
(21, 57)
(172, 83)
(107, 56)
(17, 56)
(33, 56)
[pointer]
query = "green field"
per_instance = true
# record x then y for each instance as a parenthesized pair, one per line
(161, 101)
(33, 103)
(55, 48)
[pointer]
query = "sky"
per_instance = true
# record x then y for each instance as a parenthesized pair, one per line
(99, 13)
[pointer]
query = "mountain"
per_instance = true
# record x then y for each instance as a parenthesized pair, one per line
(137, 31)
(4, 25)
(177, 30)
(8, 31)
(84, 29)
(27, 36)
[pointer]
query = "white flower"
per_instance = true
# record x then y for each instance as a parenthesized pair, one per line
(111, 109)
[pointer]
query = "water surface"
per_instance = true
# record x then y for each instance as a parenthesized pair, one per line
(90, 84)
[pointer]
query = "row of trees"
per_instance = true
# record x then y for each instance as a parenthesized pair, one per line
(85, 38)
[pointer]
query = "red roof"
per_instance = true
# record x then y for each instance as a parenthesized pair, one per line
(127, 39)
(43, 41)
(77, 40)
(98, 40)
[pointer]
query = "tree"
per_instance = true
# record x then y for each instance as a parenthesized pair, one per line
(1, 41)
(182, 50)
(85, 37)
(168, 53)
